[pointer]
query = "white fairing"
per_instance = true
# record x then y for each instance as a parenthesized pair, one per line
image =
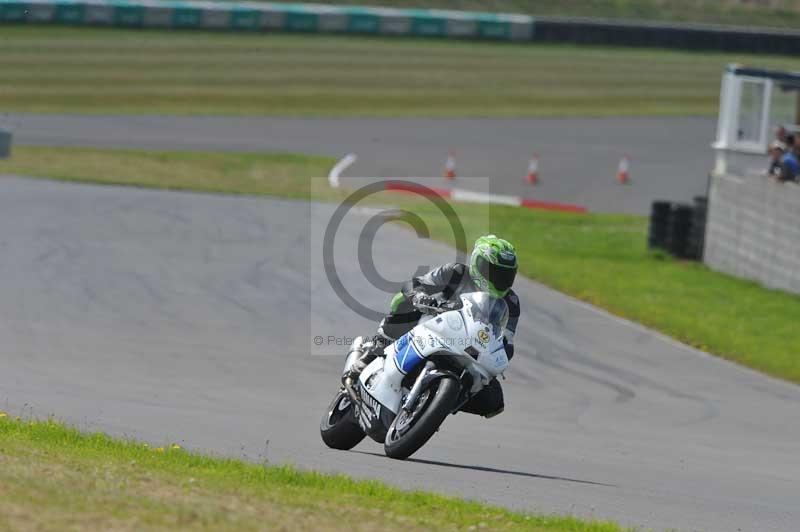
(381, 379)
(474, 342)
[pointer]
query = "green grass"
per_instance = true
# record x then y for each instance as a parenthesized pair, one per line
(599, 258)
(777, 13)
(284, 174)
(55, 478)
(603, 259)
(70, 70)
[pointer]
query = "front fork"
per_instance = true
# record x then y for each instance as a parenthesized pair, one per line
(424, 377)
(429, 374)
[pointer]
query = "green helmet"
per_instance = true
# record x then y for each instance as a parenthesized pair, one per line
(493, 265)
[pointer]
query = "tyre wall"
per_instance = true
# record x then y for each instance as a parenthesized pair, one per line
(5, 143)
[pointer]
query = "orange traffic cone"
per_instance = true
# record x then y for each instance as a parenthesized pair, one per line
(450, 166)
(623, 177)
(533, 170)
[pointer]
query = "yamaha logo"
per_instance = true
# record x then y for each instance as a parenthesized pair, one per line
(372, 403)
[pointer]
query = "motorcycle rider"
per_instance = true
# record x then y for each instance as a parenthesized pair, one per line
(492, 268)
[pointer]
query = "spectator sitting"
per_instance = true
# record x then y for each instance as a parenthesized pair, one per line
(776, 151)
(780, 134)
(790, 164)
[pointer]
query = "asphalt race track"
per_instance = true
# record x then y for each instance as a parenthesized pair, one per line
(188, 317)
(670, 157)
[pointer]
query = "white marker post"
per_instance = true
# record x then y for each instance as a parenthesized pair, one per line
(341, 166)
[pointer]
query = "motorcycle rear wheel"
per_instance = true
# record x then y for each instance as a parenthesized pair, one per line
(339, 428)
(411, 430)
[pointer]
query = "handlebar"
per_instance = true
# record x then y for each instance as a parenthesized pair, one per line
(445, 306)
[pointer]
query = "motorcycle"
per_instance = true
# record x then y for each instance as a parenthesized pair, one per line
(401, 398)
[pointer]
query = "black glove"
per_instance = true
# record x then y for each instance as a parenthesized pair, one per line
(421, 299)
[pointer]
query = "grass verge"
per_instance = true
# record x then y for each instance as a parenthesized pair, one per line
(56, 478)
(603, 259)
(599, 258)
(85, 70)
(282, 174)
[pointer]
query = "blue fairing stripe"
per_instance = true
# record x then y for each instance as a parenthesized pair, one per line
(407, 357)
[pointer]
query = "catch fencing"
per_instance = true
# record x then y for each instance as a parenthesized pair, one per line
(661, 35)
(753, 230)
(258, 16)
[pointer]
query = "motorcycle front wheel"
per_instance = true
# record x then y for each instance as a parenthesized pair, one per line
(411, 430)
(339, 428)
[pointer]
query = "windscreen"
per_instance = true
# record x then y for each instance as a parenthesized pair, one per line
(488, 310)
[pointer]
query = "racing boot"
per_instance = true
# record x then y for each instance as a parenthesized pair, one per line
(363, 351)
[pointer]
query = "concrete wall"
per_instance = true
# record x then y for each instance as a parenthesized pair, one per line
(753, 230)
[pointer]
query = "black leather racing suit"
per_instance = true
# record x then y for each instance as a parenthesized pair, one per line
(450, 281)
